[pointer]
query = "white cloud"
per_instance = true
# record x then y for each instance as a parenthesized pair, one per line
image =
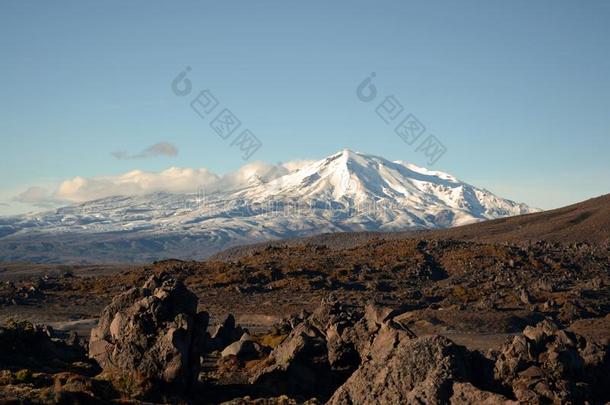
(137, 182)
(158, 149)
(36, 196)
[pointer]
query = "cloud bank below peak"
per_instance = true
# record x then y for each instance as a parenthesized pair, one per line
(138, 182)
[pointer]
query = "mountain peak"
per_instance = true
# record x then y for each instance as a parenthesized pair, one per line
(347, 191)
(345, 155)
(354, 178)
(348, 153)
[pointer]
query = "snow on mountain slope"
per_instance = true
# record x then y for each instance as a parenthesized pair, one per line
(413, 193)
(347, 191)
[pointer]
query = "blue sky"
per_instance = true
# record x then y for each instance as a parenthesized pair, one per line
(518, 92)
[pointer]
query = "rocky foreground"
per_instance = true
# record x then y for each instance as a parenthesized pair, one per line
(153, 344)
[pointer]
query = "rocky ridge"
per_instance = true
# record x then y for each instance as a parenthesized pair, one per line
(151, 343)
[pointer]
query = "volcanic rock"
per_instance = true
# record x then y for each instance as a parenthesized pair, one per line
(413, 371)
(151, 337)
(26, 346)
(243, 349)
(226, 333)
(465, 393)
(547, 364)
(298, 365)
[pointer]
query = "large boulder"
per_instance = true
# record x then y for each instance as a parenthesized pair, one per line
(226, 333)
(326, 347)
(35, 347)
(245, 348)
(465, 393)
(548, 364)
(420, 370)
(299, 365)
(149, 338)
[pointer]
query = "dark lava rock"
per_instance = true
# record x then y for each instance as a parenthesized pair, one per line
(466, 393)
(316, 357)
(548, 364)
(226, 333)
(298, 365)
(418, 370)
(25, 346)
(245, 348)
(149, 339)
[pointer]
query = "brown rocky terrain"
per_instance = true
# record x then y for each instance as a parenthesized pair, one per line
(153, 344)
(563, 281)
(479, 297)
(587, 221)
(418, 319)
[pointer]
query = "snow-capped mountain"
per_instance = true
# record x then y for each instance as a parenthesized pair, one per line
(347, 191)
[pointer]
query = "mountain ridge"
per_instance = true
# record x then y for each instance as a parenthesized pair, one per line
(345, 192)
(584, 222)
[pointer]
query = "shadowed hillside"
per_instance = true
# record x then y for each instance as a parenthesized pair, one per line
(587, 221)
